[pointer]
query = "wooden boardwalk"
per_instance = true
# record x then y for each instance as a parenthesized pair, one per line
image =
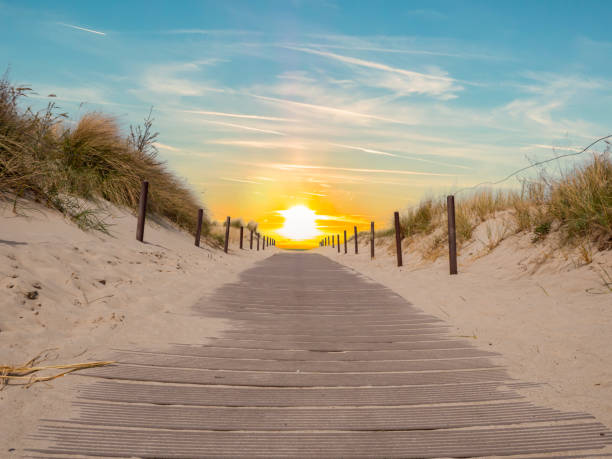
(320, 362)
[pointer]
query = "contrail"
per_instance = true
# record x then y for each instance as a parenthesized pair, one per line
(82, 28)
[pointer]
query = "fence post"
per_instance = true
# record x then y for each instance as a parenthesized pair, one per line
(345, 248)
(227, 230)
(241, 235)
(251, 242)
(452, 235)
(338, 243)
(372, 240)
(356, 243)
(333, 242)
(398, 238)
(263, 243)
(142, 210)
(257, 241)
(199, 227)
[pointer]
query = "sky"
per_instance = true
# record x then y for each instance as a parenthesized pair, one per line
(353, 109)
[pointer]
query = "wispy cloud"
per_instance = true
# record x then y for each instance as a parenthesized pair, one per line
(163, 146)
(371, 64)
(323, 108)
(398, 44)
(229, 179)
(243, 127)
(237, 115)
(313, 194)
(82, 29)
(394, 155)
(264, 144)
(554, 147)
(170, 78)
(282, 166)
(417, 82)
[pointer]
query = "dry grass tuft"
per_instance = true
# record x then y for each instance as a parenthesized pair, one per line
(24, 372)
(41, 158)
(577, 203)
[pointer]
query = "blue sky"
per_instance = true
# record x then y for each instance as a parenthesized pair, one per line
(353, 108)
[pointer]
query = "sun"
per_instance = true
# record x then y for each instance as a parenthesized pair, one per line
(300, 223)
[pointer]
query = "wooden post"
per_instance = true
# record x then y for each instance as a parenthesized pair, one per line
(227, 230)
(345, 248)
(452, 235)
(356, 243)
(372, 240)
(142, 210)
(398, 238)
(199, 227)
(333, 242)
(263, 243)
(257, 241)
(251, 243)
(241, 235)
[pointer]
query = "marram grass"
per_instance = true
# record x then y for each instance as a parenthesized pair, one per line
(44, 158)
(577, 202)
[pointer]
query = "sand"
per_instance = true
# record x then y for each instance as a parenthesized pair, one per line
(545, 309)
(90, 293)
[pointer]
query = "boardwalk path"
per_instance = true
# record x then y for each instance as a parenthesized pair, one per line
(320, 362)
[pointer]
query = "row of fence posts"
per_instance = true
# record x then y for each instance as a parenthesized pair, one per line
(452, 238)
(266, 241)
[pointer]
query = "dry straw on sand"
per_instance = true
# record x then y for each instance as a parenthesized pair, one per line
(24, 373)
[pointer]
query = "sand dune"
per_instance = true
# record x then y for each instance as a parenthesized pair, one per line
(81, 293)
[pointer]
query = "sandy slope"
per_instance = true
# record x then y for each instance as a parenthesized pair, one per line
(543, 308)
(94, 292)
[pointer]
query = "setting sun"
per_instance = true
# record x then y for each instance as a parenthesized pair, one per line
(300, 223)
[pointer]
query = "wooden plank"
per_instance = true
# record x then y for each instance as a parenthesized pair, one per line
(317, 362)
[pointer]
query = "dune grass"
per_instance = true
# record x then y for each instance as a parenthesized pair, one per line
(23, 374)
(76, 168)
(577, 203)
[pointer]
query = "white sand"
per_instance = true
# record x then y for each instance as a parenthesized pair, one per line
(530, 303)
(542, 308)
(96, 292)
